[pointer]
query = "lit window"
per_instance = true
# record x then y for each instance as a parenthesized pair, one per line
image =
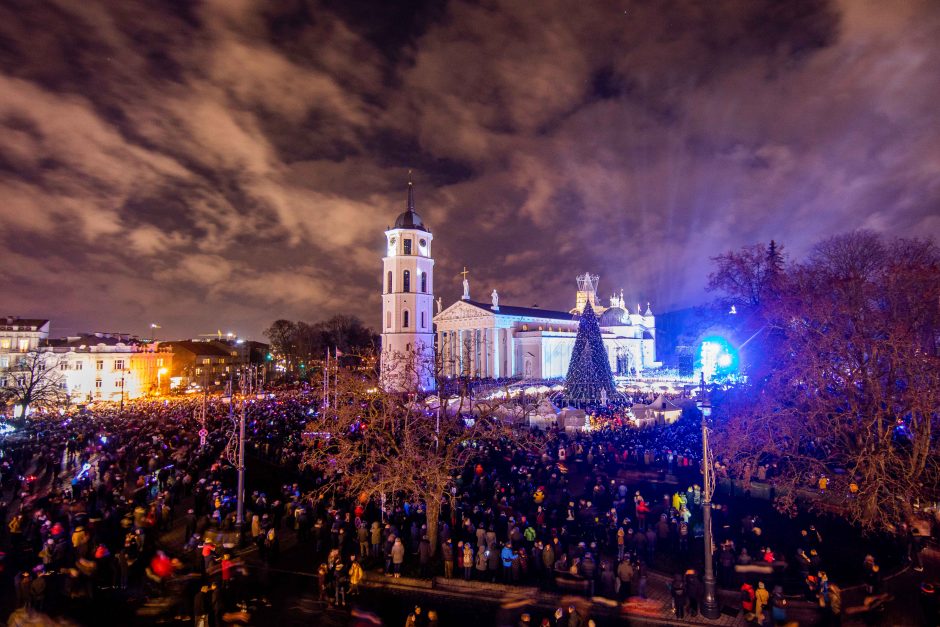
(24, 345)
(160, 362)
(206, 361)
(5, 343)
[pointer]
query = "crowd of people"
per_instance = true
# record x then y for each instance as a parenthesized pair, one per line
(89, 494)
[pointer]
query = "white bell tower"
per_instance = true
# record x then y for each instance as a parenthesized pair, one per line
(407, 300)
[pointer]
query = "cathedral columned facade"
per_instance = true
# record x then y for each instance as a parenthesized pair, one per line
(480, 339)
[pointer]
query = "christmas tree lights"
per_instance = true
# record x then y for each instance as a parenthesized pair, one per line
(589, 376)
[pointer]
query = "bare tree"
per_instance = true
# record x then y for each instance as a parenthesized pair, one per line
(372, 443)
(747, 277)
(33, 380)
(853, 390)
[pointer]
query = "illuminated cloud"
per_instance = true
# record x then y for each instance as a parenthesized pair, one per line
(226, 163)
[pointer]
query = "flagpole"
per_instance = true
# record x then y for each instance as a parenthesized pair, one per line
(326, 379)
(336, 378)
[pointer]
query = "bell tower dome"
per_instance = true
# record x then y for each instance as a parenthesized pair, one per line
(407, 359)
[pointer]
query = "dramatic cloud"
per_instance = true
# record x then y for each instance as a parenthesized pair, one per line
(217, 165)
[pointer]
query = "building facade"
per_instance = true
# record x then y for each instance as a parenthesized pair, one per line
(109, 367)
(19, 336)
(407, 361)
(489, 340)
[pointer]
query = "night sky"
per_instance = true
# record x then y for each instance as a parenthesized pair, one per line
(217, 165)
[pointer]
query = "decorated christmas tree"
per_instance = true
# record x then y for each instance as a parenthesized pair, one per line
(589, 378)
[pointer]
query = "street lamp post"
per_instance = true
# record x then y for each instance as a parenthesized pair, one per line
(244, 386)
(710, 608)
(123, 372)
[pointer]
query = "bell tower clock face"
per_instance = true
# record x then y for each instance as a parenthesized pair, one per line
(423, 246)
(391, 245)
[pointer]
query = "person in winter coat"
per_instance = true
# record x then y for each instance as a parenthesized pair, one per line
(747, 600)
(588, 571)
(761, 600)
(625, 575)
(355, 576)
(506, 556)
(398, 556)
(376, 538)
(363, 537)
(447, 554)
(678, 595)
(467, 560)
(424, 555)
(482, 561)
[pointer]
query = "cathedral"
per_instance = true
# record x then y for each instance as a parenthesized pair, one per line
(487, 339)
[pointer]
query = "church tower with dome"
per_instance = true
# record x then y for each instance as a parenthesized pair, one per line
(407, 358)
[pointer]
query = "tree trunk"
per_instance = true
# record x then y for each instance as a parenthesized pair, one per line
(433, 514)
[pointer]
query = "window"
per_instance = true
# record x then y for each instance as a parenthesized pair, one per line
(424, 282)
(198, 370)
(99, 364)
(388, 289)
(5, 343)
(407, 244)
(119, 383)
(388, 320)
(97, 383)
(4, 362)
(23, 345)
(78, 365)
(119, 364)
(404, 319)
(422, 320)
(406, 281)
(63, 365)
(206, 361)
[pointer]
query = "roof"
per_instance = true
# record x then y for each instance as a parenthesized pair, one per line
(614, 317)
(660, 404)
(198, 348)
(524, 312)
(409, 219)
(11, 321)
(94, 339)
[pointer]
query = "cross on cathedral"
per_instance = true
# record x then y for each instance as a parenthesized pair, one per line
(466, 284)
